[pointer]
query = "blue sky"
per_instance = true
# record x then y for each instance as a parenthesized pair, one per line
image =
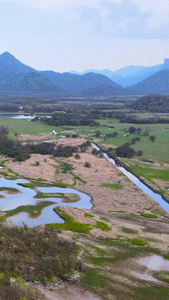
(64, 35)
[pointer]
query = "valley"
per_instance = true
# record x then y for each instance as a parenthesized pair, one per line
(122, 224)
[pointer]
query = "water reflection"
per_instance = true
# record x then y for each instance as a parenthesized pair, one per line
(26, 197)
(18, 117)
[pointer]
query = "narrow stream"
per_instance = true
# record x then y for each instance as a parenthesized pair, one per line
(158, 198)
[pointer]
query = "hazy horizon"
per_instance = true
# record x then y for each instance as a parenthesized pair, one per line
(103, 34)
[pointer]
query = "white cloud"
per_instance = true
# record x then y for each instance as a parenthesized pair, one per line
(128, 18)
(119, 18)
(47, 4)
(161, 6)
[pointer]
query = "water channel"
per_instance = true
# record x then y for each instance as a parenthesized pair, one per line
(158, 198)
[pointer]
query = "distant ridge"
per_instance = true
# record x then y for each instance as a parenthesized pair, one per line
(156, 83)
(77, 83)
(18, 77)
(130, 75)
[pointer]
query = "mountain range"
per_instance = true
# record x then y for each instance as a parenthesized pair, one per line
(130, 75)
(18, 77)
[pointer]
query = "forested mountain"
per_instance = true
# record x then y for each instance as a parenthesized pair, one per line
(15, 76)
(157, 83)
(77, 83)
(9, 66)
(130, 75)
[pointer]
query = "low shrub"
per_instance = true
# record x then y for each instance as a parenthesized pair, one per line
(103, 226)
(87, 165)
(27, 185)
(166, 256)
(138, 242)
(88, 215)
(148, 215)
(114, 186)
(60, 184)
(34, 254)
(70, 223)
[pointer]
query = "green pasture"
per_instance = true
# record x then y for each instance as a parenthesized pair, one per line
(150, 173)
(17, 126)
(157, 150)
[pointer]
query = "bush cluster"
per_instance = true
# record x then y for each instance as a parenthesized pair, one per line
(21, 152)
(35, 255)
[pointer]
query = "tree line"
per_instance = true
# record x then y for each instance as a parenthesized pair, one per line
(20, 152)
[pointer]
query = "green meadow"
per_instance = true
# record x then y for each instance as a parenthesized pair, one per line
(17, 126)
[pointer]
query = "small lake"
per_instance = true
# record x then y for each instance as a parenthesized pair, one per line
(155, 263)
(152, 263)
(26, 197)
(17, 117)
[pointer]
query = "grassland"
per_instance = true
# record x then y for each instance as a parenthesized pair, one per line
(113, 261)
(153, 164)
(18, 126)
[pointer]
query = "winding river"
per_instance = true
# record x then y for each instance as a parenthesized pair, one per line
(26, 197)
(158, 198)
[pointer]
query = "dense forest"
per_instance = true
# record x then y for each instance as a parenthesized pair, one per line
(152, 103)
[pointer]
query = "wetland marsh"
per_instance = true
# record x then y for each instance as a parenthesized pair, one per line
(123, 225)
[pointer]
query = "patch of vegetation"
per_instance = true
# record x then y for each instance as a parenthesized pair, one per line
(36, 255)
(88, 215)
(9, 189)
(87, 164)
(46, 195)
(103, 226)
(166, 256)
(27, 184)
(60, 184)
(17, 290)
(70, 223)
(78, 178)
(93, 278)
(114, 186)
(138, 242)
(163, 276)
(95, 249)
(105, 219)
(129, 230)
(66, 167)
(33, 210)
(148, 215)
(70, 198)
(150, 173)
(5, 174)
(2, 163)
